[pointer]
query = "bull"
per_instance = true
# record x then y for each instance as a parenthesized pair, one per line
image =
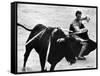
(52, 44)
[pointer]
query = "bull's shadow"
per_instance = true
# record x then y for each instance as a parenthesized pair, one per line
(41, 38)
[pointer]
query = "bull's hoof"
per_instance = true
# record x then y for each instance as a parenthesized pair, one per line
(23, 69)
(81, 58)
(44, 70)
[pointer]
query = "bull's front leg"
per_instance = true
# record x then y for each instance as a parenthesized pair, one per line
(52, 67)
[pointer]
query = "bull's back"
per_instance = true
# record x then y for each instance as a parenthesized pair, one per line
(36, 30)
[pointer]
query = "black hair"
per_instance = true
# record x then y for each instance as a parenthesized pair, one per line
(78, 12)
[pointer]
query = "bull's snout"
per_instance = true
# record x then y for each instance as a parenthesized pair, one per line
(72, 61)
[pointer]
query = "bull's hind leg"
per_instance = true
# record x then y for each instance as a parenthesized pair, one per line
(26, 55)
(42, 62)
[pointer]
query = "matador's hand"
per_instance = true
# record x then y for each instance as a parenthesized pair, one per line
(87, 19)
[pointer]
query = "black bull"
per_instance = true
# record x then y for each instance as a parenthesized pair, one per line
(68, 48)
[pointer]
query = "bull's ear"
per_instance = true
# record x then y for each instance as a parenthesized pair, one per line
(60, 40)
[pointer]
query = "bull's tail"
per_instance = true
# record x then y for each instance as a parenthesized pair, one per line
(24, 27)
